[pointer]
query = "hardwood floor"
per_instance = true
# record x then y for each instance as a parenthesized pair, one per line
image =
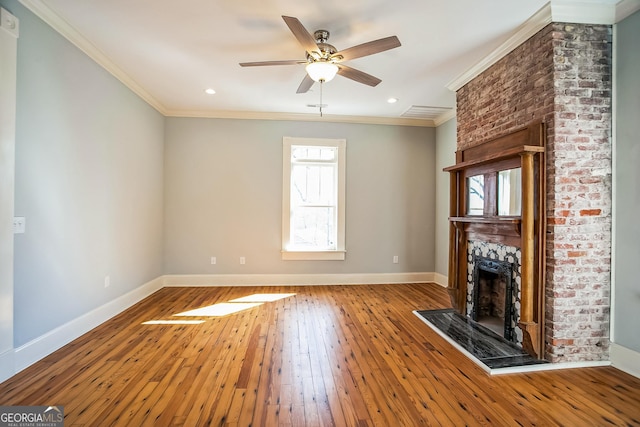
(328, 355)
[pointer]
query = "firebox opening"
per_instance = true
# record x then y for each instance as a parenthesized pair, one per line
(491, 301)
(493, 292)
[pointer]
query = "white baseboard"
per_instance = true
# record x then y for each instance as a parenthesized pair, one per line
(441, 279)
(625, 359)
(293, 279)
(549, 367)
(6, 364)
(46, 344)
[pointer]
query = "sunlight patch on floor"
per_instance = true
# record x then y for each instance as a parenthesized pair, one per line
(220, 309)
(173, 322)
(262, 298)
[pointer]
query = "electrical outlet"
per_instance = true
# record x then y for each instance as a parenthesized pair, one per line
(107, 281)
(213, 260)
(395, 259)
(242, 260)
(19, 224)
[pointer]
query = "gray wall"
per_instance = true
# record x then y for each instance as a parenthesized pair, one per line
(627, 184)
(445, 156)
(89, 179)
(8, 58)
(223, 190)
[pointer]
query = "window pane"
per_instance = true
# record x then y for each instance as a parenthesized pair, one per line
(313, 228)
(313, 153)
(313, 184)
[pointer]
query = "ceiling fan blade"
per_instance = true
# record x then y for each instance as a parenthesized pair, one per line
(262, 63)
(305, 38)
(368, 48)
(357, 75)
(305, 85)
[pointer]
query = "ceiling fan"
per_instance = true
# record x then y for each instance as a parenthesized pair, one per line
(324, 61)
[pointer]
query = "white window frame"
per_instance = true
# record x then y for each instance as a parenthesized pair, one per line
(337, 254)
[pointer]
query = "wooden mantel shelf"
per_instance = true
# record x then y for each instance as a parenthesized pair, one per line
(486, 220)
(505, 154)
(511, 222)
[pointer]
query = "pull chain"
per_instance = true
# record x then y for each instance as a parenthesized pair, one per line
(321, 84)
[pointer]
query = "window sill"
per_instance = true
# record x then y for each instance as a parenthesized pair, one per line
(338, 255)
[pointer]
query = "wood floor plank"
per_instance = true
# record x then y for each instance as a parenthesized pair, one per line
(324, 356)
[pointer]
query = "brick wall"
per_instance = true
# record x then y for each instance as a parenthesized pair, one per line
(509, 95)
(562, 76)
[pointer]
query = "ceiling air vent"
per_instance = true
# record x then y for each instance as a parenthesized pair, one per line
(422, 112)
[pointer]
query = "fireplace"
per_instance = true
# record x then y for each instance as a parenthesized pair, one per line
(561, 76)
(492, 296)
(509, 236)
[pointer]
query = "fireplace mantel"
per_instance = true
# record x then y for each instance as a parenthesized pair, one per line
(514, 224)
(523, 148)
(489, 157)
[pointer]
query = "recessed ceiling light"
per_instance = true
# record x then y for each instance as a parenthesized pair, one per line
(392, 100)
(209, 91)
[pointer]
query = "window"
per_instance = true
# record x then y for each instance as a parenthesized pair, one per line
(313, 199)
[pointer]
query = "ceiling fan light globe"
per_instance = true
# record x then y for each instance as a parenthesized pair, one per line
(322, 71)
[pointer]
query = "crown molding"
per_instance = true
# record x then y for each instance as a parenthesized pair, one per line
(578, 12)
(531, 26)
(583, 12)
(9, 23)
(626, 8)
(50, 17)
(445, 117)
(300, 117)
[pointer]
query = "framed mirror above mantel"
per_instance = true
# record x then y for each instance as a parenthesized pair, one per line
(497, 195)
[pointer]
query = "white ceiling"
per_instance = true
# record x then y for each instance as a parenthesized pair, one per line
(169, 52)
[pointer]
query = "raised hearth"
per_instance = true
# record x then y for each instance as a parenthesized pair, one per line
(491, 351)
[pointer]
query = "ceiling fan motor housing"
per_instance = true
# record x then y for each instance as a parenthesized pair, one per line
(321, 36)
(326, 52)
